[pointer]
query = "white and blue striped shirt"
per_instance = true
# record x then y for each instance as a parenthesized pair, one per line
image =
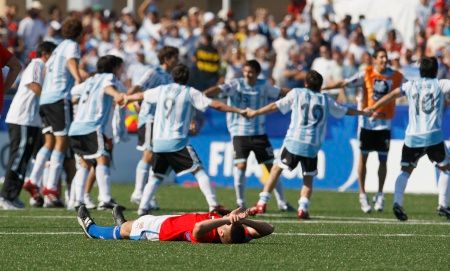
(151, 79)
(58, 79)
(242, 95)
(175, 105)
(308, 120)
(426, 111)
(95, 106)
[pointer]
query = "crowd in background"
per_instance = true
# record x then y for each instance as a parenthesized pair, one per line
(215, 46)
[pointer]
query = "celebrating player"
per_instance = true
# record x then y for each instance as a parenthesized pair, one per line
(426, 100)
(24, 126)
(375, 134)
(233, 228)
(304, 136)
(62, 72)
(175, 105)
(168, 57)
(90, 133)
(249, 135)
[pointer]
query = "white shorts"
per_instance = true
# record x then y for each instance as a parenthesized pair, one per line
(147, 227)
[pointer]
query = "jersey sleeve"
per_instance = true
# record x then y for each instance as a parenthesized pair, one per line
(228, 89)
(285, 104)
(444, 84)
(72, 51)
(336, 110)
(5, 55)
(34, 73)
(356, 80)
(199, 100)
(405, 88)
(151, 95)
(140, 83)
(273, 91)
(77, 90)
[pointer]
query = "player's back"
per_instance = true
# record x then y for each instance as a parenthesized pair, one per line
(94, 106)
(179, 228)
(58, 79)
(426, 107)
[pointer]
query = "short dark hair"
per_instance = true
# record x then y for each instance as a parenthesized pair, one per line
(45, 47)
(254, 65)
(180, 74)
(237, 234)
(167, 52)
(314, 80)
(428, 67)
(71, 28)
(378, 50)
(108, 63)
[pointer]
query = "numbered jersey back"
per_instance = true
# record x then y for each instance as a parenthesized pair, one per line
(426, 106)
(308, 117)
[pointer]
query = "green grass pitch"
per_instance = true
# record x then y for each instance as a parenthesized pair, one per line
(338, 237)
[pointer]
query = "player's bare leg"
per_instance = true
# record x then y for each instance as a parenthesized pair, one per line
(52, 197)
(90, 204)
(363, 200)
(103, 176)
(278, 190)
(305, 196)
(239, 183)
(378, 199)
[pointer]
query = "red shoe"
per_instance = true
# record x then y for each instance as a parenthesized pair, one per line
(302, 214)
(257, 209)
(37, 200)
(52, 199)
(219, 209)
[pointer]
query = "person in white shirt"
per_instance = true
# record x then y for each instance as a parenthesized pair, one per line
(32, 30)
(24, 125)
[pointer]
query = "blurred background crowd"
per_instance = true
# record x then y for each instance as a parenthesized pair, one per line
(216, 45)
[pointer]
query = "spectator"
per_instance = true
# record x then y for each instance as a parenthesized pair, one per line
(205, 72)
(281, 46)
(31, 30)
(254, 41)
(7, 59)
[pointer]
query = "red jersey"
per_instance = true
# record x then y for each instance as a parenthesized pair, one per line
(179, 228)
(5, 55)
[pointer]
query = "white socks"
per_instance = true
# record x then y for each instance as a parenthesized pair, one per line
(54, 173)
(39, 164)
(279, 194)
(239, 186)
(264, 197)
(400, 186)
(206, 188)
(444, 188)
(102, 173)
(78, 185)
(303, 203)
(142, 170)
(149, 192)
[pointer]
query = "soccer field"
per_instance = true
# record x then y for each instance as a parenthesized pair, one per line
(339, 236)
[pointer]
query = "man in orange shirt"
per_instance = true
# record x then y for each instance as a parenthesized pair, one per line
(376, 81)
(9, 60)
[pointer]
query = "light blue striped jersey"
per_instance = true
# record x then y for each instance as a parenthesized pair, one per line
(151, 79)
(58, 79)
(308, 119)
(242, 95)
(175, 105)
(426, 111)
(95, 106)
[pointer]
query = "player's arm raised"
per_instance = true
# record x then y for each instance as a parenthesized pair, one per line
(225, 108)
(336, 84)
(250, 113)
(391, 96)
(257, 228)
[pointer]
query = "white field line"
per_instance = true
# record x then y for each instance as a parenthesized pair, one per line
(312, 221)
(42, 233)
(362, 234)
(345, 218)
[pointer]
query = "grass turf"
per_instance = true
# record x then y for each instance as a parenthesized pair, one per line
(339, 236)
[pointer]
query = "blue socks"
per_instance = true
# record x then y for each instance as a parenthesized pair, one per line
(105, 233)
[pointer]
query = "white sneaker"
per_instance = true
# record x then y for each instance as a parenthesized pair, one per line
(7, 205)
(364, 202)
(90, 204)
(378, 201)
(135, 198)
(154, 204)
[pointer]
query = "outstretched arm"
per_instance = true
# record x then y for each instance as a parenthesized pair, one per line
(14, 69)
(72, 65)
(212, 91)
(137, 97)
(353, 112)
(391, 96)
(333, 85)
(225, 108)
(284, 91)
(272, 107)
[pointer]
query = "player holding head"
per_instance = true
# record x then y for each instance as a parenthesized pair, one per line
(249, 135)
(168, 57)
(62, 72)
(304, 137)
(24, 127)
(426, 100)
(234, 228)
(376, 81)
(90, 130)
(175, 104)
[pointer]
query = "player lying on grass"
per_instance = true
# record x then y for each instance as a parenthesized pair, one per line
(424, 135)
(303, 138)
(234, 228)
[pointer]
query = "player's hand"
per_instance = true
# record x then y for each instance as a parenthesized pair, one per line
(368, 111)
(193, 128)
(249, 113)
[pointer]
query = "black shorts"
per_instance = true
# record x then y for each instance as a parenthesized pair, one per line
(39, 142)
(183, 161)
(436, 153)
(290, 161)
(259, 145)
(90, 146)
(145, 137)
(56, 117)
(374, 140)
